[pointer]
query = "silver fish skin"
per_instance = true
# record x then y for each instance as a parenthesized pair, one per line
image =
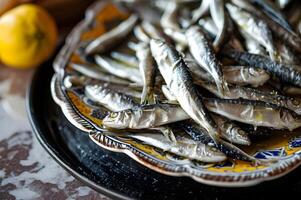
(217, 11)
(152, 31)
(110, 99)
(127, 59)
(203, 52)
(140, 34)
(184, 147)
(118, 69)
(197, 133)
(231, 131)
(253, 46)
(209, 25)
(169, 17)
(292, 39)
(148, 72)
(236, 92)
(112, 38)
(178, 79)
(198, 13)
(98, 74)
(238, 75)
(288, 55)
(255, 28)
(145, 116)
(286, 73)
(256, 113)
(283, 3)
(271, 10)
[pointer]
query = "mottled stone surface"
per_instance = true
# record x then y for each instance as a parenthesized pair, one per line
(26, 169)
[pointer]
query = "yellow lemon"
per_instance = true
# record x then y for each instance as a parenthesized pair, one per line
(28, 36)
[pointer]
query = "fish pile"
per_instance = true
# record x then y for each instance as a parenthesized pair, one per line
(199, 78)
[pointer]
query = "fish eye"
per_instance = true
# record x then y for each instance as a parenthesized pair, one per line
(295, 102)
(113, 115)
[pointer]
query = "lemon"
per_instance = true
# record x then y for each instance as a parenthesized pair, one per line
(28, 36)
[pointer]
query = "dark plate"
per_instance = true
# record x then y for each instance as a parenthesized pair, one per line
(115, 174)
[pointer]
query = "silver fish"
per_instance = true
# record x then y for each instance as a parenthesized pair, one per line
(238, 75)
(253, 46)
(199, 134)
(203, 52)
(95, 72)
(283, 3)
(148, 72)
(286, 73)
(145, 116)
(292, 39)
(108, 98)
(152, 31)
(140, 34)
(125, 58)
(217, 11)
(169, 17)
(198, 13)
(255, 28)
(184, 147)
(236, 92)
(229, 130)
(179, 81)
(112, 38)
(118, 69)
(256, 113)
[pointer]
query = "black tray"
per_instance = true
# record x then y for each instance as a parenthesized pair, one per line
(115, 174)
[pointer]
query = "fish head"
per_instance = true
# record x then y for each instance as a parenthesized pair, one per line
(295, 105)
(210, 153)
(117, 120)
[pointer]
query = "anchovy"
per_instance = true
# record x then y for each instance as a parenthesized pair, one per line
(140, 34)
(270, 10)
(112, 38)
(238, 75)
(218, 14)
(292, 39)
(253, 46)
(108, 98)
(283, 3)
(178, 79)
(255, 28)
(145, 116)
(202, 50)
(198, 13)
(286, 73)
(152, 31)
(170, 24)
(184, 147)
(256, 113)
(229, 130)
(125, 58)
(96, 73)
(199, 134)
(236, 92)
(148, 72)
(118, 69)
(209, 25)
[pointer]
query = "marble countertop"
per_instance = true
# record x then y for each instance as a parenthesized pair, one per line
(26, 169)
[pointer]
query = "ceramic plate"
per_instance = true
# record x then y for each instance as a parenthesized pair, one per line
(115, 174)
(286, 148)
